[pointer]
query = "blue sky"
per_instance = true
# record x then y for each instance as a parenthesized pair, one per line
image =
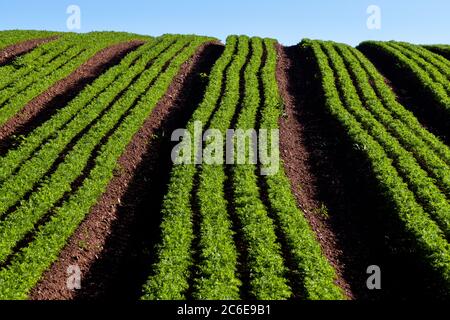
(286, 20)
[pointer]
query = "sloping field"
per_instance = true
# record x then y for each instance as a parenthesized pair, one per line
(88, 177)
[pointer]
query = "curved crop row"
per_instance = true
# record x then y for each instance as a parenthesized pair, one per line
(11, 37)
(440, 49)
(71, 121)
(436, 90)
(171, 272)
(436, 60)
(25, 65)
(22, 84)
(17, 177)
(30, 63)
(85, 46)
(429, 159)
(429, 239)
(425, 60)
(264, 263)
(27, 266)
(389, 99)
(316, 276)
(218, 256)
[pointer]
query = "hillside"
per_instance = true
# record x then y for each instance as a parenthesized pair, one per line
(88, 176)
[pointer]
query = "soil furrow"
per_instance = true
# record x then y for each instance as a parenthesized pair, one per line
(315, 160)
(10, 53)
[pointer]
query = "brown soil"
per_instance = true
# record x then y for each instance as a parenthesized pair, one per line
(10, 53)
(114, 245)
(45, 105)
(296, 158)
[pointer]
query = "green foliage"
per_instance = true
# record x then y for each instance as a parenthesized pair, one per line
(427, 76)
(11, 37)
(265, 262)
(35, 72)
(441, 49)
(218, 266)
(171, 272)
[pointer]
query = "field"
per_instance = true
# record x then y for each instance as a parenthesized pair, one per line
(88, 183)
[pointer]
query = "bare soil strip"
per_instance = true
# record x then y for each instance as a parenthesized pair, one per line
(114, 245)
(44, 106)
(10, 53)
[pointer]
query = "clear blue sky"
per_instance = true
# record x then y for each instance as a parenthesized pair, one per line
(287, 20)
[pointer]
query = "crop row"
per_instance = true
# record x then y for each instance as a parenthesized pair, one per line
(442, 50)
(265, 261)
(36, 154)
(83, 47)
(21, 68)
(439, 91)
(389, 99)
(11, 37)
(426, 60)
(342, 104)
(217, 273)
(439, 62)
(131, 109)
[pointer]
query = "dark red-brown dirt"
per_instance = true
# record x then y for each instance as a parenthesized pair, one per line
(297, 156)
(114, 245)
(48, 103)
(12, 52)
